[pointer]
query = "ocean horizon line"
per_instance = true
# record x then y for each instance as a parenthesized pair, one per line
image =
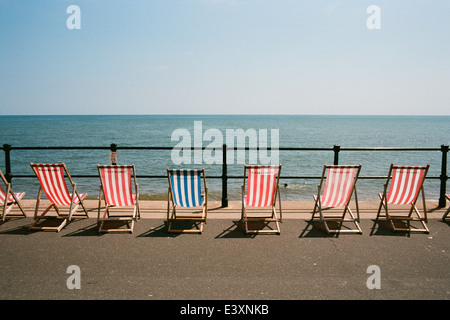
(227, 114)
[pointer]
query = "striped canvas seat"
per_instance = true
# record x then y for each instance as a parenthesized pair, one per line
(52, 180)
(9, 199)
(260, 190)
(187, 187)
(117, 183)
(185, 191)
(405, 184)
(261, 186)
(340, 184)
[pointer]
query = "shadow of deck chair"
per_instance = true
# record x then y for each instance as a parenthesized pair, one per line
(52, 180)
(260, 190)
(121, 204)
(340, 184)
(9, 199)
(448, 209)
(184, 197)
(405, 184)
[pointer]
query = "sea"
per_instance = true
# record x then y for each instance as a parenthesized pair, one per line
(317, 134)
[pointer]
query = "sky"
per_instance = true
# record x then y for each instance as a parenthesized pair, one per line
(225, 57)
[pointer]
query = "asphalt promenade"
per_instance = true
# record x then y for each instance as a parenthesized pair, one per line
(302, 263)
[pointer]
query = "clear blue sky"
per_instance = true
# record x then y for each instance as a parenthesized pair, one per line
(225, 56)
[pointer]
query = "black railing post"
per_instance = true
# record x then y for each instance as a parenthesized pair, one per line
(224, 177)
(336, 149)
(113, 154)
(8, 174)
(443, 177)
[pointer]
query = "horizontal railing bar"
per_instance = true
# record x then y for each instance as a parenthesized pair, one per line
(214, 177)
(319, 177)
(390, 149)
(96, 176)
(59, 148)
(336, 149)
(228, 148)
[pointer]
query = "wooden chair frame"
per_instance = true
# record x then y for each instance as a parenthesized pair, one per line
(324, 219)
(73, 206)
(245, 218)
(8, 205)
(448, 209)
(174, 216)
(413, 208)
(129, 219)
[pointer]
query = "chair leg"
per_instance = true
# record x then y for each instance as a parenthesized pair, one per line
(341, 220)
(382, 205)
(446, 214)
(172, 217)
(58, 228)
(7, 208)
(274, 218)
(409, 218)
(315, 207)
(423, 220)
(198, 224)
(106, 217)
(448, 210)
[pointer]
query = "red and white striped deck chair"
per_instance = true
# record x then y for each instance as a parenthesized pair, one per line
(9, 199)
(52, 180)
(405, 183)
(260, 190)
(121, 203)
(185, 201)
(448, 210)
(340, 184)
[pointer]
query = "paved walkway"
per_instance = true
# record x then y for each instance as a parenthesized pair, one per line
(223, 263)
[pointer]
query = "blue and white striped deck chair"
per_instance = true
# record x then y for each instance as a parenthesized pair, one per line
(185, 191)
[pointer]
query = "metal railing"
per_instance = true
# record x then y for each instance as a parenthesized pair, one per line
(336, 149)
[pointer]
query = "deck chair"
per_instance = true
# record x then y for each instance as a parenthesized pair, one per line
(260, 190)
(121, 204)
(184, 196)
(339, 183)
(9, 199)
(448, 210)
(52, 181)
(402, 187)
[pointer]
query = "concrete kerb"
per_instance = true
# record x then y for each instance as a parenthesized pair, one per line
(157, 209)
